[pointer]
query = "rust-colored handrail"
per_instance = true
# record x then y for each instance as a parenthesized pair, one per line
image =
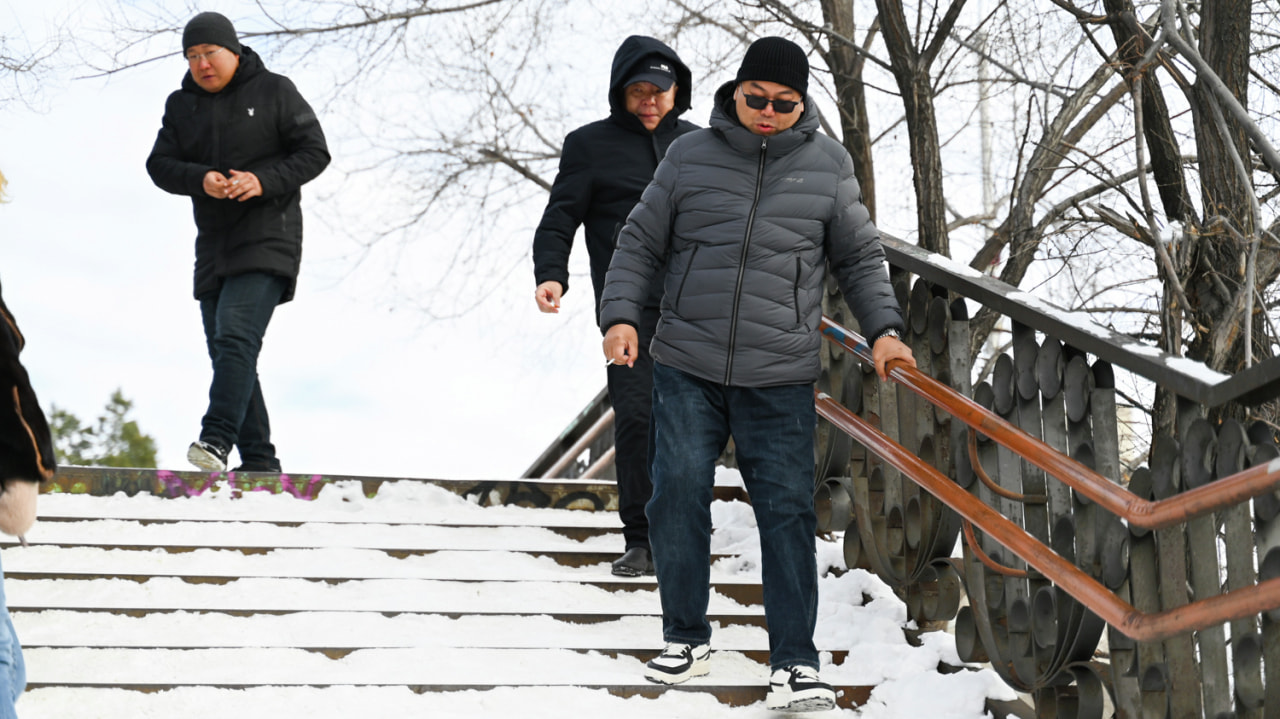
(1158, 514)
(1140, 626)
(578, 447)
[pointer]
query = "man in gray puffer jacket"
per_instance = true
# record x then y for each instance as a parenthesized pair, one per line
(746, 216)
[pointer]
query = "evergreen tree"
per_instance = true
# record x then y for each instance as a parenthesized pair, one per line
(113, 441)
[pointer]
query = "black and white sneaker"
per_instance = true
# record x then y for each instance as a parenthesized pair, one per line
(679, 662)
(207, 456)
(797, 689)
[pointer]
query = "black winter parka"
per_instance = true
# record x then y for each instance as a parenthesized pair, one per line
(604, 168)
(258, 123)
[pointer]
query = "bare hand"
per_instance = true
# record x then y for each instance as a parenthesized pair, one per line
(890, 348)
(621, 345)
(216, 185)
(548, 296)
(243, 186)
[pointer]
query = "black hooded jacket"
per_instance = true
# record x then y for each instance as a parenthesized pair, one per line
(604, 168)
(258, 123)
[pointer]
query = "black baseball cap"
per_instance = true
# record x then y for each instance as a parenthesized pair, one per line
(655, 69)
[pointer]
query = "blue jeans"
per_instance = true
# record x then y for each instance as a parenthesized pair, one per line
(772, 429)
(13, 671)
(235, 320)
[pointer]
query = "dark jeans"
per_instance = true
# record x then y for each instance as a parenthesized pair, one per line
(235, 320)
(631, 394)
(772, 429)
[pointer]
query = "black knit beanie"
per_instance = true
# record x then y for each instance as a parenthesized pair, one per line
(776, 59)
(210, 28)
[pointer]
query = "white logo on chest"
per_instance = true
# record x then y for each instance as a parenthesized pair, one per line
(251, 112)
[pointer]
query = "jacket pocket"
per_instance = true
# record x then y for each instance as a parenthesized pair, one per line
(688, 269)
(795, 288)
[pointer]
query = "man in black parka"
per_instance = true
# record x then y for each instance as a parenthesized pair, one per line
(240, 141)
(604, 168)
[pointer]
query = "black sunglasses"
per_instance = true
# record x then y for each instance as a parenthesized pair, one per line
(755, 102)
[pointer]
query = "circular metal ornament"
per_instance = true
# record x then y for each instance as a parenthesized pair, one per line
(1002, 384)
(1199, 448)
(918, 313)
(1233, 448)
(1079, 385)
(1024, 360)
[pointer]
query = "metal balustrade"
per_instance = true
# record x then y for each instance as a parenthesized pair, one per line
(1138, 625)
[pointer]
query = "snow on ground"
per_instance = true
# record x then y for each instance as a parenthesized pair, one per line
(907, 683)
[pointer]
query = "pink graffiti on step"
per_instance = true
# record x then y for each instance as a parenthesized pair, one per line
(177, 486)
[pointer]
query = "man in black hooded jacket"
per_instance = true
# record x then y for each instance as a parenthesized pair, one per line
(240, 141)
(604, 168)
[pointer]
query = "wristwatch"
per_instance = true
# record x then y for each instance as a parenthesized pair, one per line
(891, 332)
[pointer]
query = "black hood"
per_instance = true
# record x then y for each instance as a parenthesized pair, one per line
(250, 64)
(629, 54)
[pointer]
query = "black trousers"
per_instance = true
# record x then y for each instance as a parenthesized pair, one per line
(631, 394)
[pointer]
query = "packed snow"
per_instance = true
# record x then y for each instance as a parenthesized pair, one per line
(343, 533)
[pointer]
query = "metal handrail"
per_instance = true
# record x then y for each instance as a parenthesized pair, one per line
(1140, 626)
(599, 466)
(580, 446)
(1149, 514)
(1187, 378)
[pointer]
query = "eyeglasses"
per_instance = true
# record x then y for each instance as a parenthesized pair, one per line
(755, 102)
(198, 57)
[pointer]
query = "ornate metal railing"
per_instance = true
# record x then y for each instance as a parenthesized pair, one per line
(1171, 563)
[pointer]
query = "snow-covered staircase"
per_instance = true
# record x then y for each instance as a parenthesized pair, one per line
(417, 601)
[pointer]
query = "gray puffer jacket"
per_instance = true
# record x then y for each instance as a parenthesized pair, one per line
(749, 225)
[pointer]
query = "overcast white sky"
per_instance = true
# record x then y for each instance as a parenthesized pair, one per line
(96, 264)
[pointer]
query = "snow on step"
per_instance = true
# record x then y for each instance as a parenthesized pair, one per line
(343, 702)
(374, 595)
(349, 630)
(387, 537)
(407, 630)
(395, 503)
(434, 666)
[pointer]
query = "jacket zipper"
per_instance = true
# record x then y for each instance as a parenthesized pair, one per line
(742, 262)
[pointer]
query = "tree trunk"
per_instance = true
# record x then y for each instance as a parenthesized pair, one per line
(1217, 271)
(911, 70)
(1166, 163)
(846, 65)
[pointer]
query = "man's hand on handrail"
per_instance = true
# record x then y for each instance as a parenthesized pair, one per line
(889, 348)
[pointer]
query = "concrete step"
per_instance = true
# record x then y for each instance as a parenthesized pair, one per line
(239, 592)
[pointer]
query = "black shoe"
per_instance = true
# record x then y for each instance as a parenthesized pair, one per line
(635, 562)
(797, 689)
(679, 662)
(207, 456)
